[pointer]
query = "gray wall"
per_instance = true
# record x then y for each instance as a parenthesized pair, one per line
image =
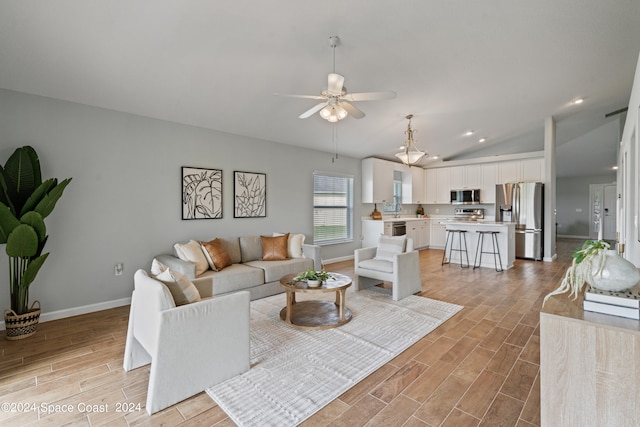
(572, 194)
(123, 204)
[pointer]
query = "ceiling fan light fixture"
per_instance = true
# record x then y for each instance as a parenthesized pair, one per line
(411, 154)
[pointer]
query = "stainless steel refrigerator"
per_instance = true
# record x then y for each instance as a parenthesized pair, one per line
(523, 204)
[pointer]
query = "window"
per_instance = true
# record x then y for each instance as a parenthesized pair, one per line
(332, 208)
(396, 205)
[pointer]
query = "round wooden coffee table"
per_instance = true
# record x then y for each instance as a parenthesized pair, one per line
(315, 314)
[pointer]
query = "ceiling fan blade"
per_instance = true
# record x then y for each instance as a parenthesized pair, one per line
(354, 112)
(369, 96)
(311, 111)
(336, 81)
(300, 96)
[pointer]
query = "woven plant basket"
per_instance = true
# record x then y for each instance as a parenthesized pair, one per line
(21, 326)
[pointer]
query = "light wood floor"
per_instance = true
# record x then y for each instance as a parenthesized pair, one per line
(481, 368)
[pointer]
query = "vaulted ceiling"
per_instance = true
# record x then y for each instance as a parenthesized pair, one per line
(497, 67)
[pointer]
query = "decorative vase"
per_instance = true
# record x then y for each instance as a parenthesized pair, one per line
(314, 283)
(19, 326)
(376, 213)
(617, 274)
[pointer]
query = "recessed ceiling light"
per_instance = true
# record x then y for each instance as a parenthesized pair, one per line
(481, 140)
(468, 133)
(615, 168)
(578, 101)
(434, 157)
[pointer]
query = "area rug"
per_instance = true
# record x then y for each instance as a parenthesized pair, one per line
(295, 373)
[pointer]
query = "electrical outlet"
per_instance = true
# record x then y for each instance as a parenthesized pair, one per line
(119, 268)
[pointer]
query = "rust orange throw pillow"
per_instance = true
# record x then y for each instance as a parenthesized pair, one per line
(217, 253)
(275, 248)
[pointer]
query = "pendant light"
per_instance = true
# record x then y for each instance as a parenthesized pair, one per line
(410, 155)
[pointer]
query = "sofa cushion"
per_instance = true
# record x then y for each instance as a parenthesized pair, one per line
(377, 265)
(275, 248)
(234, 278)
(192, 252)
(389, 247)
(274, 270)
(232, 245)
(218, 255)
(181, 288)
(295, 244)
(250, 248)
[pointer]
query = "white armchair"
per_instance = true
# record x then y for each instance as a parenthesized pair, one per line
(403, 271)
(190, 347)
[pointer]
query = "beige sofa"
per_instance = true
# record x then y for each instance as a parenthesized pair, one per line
(248, 271)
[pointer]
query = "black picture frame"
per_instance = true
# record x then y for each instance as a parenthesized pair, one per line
(201, 193)
(249, 194)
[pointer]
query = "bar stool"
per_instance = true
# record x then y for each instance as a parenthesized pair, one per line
(480, 249)
(461, 234)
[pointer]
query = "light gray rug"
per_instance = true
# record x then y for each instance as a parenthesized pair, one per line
(295, 373)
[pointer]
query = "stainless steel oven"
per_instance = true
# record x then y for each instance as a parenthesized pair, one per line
(398, 228)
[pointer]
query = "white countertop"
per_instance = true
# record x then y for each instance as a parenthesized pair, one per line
(480, 223)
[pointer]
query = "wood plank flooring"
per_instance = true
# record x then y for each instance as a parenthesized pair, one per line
(481, 368)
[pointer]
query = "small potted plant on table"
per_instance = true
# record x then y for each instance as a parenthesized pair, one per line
(313, 278)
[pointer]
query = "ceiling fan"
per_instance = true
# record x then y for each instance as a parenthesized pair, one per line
(336, 102)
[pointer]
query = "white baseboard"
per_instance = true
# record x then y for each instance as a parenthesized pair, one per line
(550, 259)
(75, 311)
(339, 259)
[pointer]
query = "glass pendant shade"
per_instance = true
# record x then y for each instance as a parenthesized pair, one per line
(333, 113)
(410, 155)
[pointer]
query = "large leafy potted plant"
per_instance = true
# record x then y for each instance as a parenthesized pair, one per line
(25, 201)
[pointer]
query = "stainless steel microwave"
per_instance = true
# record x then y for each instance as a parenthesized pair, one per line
(465, 196)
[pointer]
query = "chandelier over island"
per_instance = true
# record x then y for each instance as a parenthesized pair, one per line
(410, 154)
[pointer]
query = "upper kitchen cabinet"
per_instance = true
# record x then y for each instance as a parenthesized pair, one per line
(533, 170)
(465, 177)
(413, 185)
(489, 179)
(377, 181)
(526, 170)
(438, 186)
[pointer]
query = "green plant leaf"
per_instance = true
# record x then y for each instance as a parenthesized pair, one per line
(22, 242)
(4, 198)
(8, 223)
(35, 220)
(38, 194)
(22, 172)
(48, 202)
(32, 270)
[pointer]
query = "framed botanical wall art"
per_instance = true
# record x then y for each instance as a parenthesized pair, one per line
(201, 193)
(249, 195)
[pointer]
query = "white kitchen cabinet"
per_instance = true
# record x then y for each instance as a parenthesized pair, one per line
(443, 182)
(431, 184)
(526, 170)
(509, 171)
(438, 183)
(533, 170)
(438, 235)
(377, 181)
(489, 179)
(413, 185)
(418, 230)
(457, 178)
(472, 176)
(465, 177)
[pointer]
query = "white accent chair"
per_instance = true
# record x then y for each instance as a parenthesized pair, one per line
(190, 347)
(403, 272)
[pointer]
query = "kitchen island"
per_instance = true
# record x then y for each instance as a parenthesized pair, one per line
(506, 242)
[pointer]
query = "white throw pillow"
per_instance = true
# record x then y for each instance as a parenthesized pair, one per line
(389, 247)
(192, 252)
(157, 267)
(295, 244)
(181, 288)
